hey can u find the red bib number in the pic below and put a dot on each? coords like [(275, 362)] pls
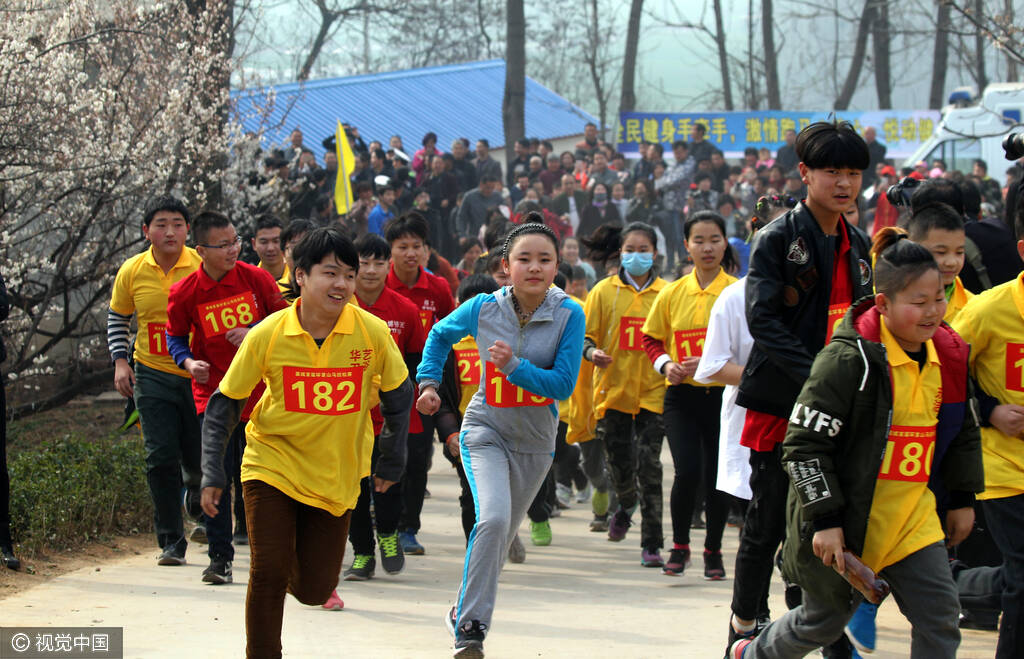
[(835, 317), (502, 393), (629, 333), (690, 343), (468, 363), (908, 454), (1015, 366), (330, 391), (219, 316), (157, 333)]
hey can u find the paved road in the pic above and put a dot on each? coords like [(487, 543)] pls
[(580, 597)]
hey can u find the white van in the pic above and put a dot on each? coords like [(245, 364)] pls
[(971, 129)]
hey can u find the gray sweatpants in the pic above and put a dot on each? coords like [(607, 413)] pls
[(504, 483), (924, 590)]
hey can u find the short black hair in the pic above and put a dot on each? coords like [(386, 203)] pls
[(523, 141), (547, 145), (700, 127), (267, 221), (206, 220), (938, 190), (700, 176), (643, 228), (832, 144), (466, 243), (474, 285), (372, 246), (296, 228), (933, 216), (363, 186), (981, 163), (972, 198), (489, 178), (165, 202), (750, 151), (484, 141), (429, 136), (680, 144), (407, 224), (319, 244)]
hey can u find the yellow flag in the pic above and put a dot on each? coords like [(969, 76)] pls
[(346, 165)]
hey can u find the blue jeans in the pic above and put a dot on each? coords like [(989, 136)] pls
[(219, 528), (670, 227)]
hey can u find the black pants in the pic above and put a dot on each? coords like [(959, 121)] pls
[(387, 508), (414, 483), (567, 460), (1005, 520), (692, 420), (544, 502), (763, 532), (5, 479)]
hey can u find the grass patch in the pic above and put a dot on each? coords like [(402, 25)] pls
[(69, 491)]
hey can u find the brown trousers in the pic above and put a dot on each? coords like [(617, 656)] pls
[(294, 548)]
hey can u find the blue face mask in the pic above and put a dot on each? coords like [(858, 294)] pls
[(637, 263)]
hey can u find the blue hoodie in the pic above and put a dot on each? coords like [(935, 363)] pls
[(545, 362)]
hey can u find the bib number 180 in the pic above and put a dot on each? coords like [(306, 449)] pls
[(330, 391)]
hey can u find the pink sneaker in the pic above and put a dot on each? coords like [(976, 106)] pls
[(334, 602)]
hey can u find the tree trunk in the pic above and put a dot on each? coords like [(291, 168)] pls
[(771, 62), (1011, 62), (628, 101), (366, 42), (753, 101), (857, 59), (327, 18), (941, 56), (880, 41), (723, 56), (979, 48), (513, 106)]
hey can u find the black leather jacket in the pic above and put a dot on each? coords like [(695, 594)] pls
[(787, 299)]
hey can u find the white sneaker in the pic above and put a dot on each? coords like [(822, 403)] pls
[(584, 495), (563, 494)]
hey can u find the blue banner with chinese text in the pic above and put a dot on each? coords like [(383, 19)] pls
[(902, 131)]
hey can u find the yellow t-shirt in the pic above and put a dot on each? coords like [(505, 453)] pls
[(957, 301), (902, 518), (680, 314), (615, 312), (564, 406), (141, 287), (993, 323), (310, 434), (467, 369), (284, 284)]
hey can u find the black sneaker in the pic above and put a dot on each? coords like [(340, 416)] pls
[(241, 535), (469, 641), (218, 572), (714, 569), (7, 557), (172, 555), (198, 535), (191, 503), (363, 567), (678, 561), (392, 558)]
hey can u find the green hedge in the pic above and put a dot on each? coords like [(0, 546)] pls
[(73, 490)]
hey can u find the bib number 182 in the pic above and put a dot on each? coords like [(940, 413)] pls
[(330, 391)]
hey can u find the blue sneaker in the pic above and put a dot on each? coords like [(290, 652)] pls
[(861, 628), (409, 544)]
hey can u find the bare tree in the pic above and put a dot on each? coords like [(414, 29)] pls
[(513, 106), (628, 99), (723, 56), (880, 38), (716, 36), (941, 54), (771, 61), (602, 65), (867, 16)]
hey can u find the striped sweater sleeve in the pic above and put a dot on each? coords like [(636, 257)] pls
[(117, 334)]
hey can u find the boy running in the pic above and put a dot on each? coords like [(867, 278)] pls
[(162, 391)]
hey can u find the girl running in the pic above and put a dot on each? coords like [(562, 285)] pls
[(530, 337), (628, 395), (679, 318)]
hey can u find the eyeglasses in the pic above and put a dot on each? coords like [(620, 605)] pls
[(234, 243)]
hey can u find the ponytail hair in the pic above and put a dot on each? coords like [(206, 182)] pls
[(604, 243), (898, 261)]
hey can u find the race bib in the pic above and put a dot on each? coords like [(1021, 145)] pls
[(629, 333), (219, 316), (908, 454), (1015, 366), (468, 364), (690, 343), (157, 333), (502, 393), (835, 317), (330, 391)]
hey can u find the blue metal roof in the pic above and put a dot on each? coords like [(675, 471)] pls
[(460, 100)]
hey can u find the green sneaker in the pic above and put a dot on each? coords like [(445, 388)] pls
[(540, 533), (392, 558), (363, 566), (599, 503)]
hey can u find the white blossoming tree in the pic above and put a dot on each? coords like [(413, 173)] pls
[(103, 103)]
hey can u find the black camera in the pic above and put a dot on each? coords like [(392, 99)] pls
[(899, 194), (1013, 145)]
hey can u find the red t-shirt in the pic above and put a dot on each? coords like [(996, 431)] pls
[(403, 319), (207, 309), (431, 295)]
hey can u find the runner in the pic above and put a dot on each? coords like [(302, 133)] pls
[(679, 317), (215, 306), (162, 391), (266, 242), (628, 396), (508, 433), (309, 437)]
